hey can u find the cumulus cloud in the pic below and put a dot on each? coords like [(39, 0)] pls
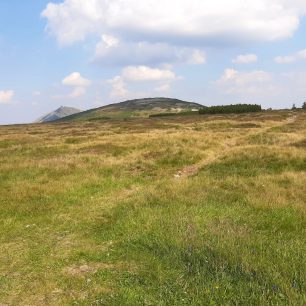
[(288, 59), (196, 21), (78, 83), (107, 42), (111, 50), (75, 79), (245, 59), (197, 58), (160, 78), (119, 87), (235, 82), (6, 96), (144, 73)]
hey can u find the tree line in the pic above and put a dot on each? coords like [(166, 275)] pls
[(231, 109), (294, 107)]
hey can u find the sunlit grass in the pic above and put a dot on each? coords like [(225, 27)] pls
[(103, 212)]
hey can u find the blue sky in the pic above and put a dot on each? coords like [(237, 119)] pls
[(90, 53)]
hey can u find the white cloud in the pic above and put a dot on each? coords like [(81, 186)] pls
[(140, 74), (109, 41), (144, 73), (270, 89), (78, 83), (77, 92), (197, 58), (179, 21), (75, 79), (291, 58), (235, 82), (245, 59), (6, 96), (111, 50), (119, 87), (229, 74)]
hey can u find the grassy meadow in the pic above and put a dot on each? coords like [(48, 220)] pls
[(190, 210)]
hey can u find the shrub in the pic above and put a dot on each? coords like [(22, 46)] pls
[(228, 109)]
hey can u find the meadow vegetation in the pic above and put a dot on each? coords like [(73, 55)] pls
[(184, 210)]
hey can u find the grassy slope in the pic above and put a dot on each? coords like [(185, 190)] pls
[(172, 211), (133, 108)]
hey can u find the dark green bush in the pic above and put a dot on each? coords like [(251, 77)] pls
[(231, 109)]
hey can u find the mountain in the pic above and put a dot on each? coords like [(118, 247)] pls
[(135, 108), (60, 113)]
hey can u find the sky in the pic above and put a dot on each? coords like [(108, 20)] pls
[(87, 54)]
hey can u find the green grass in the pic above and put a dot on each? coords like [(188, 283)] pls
[(250, 163), (191, 210)]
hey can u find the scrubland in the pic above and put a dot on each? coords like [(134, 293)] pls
[(191, 210)]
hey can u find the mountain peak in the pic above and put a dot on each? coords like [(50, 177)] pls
[(59, 113)]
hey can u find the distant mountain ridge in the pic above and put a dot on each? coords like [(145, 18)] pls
[(151, 103), (59, 113), (137, 107)]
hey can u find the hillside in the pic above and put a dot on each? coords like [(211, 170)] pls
[(59, 113), (135, 108)]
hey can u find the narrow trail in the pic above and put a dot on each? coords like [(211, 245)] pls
[(212, 157), (227, 146), (292, 119)]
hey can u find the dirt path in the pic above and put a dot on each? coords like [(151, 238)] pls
[(228, 145)]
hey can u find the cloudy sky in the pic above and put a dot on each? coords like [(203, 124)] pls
[(88, 53)]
